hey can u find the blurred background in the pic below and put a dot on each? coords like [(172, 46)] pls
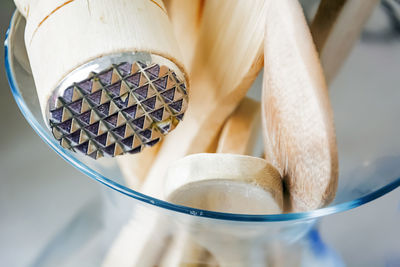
[(35, 204)]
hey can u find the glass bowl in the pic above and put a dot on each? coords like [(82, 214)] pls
[(368, 130)]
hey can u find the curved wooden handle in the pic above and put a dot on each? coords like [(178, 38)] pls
[(298, 121)]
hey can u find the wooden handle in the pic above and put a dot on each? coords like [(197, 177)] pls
[(241, 130), (186, 18), (336, 28), (228, 58), (214, 93), (135, 167), (109, 74), (297, 116)]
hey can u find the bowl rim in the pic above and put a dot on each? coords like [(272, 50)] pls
[(45, 136)]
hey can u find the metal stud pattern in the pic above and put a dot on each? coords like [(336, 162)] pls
[(119, 110)]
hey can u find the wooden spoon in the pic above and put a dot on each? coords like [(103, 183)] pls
[(297, 116)]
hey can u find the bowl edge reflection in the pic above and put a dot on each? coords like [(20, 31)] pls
[(163, 204)]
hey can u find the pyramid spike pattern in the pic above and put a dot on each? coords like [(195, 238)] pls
[(120, 110)]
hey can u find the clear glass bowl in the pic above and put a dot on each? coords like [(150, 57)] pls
[(368, 131)]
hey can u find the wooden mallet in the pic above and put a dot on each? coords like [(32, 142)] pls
[(109, 75)]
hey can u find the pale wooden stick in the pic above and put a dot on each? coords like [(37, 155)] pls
[(241, 130), (184, 251), (135, 167), (336, 28), (104, 71), (237, 137), (186, 17), (231, 38), (298, 121), (228, 59)]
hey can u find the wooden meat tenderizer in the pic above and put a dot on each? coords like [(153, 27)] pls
[(336, 28), (109, 75), (297, 116), (238, 136)]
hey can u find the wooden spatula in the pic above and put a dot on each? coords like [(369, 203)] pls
[(297, 116), (336, 28)]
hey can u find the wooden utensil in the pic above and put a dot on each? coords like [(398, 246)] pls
[(297, 116), (228, 59), (135, 167), (336, 28), (237, 137), (242, 129), (226, 183), (105, 72), (186, 18), (230, 38)]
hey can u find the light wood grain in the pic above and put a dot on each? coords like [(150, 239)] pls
[(241, 130), (225, 183), (336, 28), (135, 167), (298, 122), (185, 252), (237, 137), (186, 18), (228, 59), (66, 34)]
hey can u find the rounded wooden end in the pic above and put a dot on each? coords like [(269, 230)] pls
[(225, 183)]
